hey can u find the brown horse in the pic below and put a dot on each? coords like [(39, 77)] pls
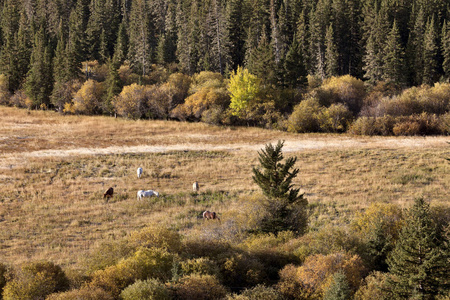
[(109, 193), (210, 215)]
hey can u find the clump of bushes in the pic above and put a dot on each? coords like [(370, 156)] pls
[(151, 289), (259, 292), (145, 263), (196, 286), (35, 281), (85, 293)]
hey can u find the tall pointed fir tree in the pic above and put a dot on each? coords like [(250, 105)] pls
[(331, 54), (294, 70), (12, 48), (94, 29), (302, 37), (167, 41), (113, 86), (140, 32), (236, 31), (262, 62), (419, 262), (393, 58), (39, 82), (220, 38), (188, 24), (319, 20), (121, 46), (376, 29), (445, 44), (285, 206), (414, 48), (431, 72)]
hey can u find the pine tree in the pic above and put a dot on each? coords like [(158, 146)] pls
[(121, 46), (285, 205), (39, 82), (14, 53), (446, 48), (113, 86), (262, 62), (430, 54), (419, 262), (414, 49), (235, 28), (393, 59), (294, 69), (331, 54)]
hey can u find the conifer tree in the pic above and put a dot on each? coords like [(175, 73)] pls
[(120, 48), (294, 69), (262, 62), (446, 48), (235, 28), (430, 54), (113, 86), (415, 50), (393, 59), (285, 206), (419, 261), (39, 81), (331, 54)]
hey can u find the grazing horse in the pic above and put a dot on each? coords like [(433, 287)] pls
[(210, 215), (108, 194), (139, 172), (141, 194), (195, 187)]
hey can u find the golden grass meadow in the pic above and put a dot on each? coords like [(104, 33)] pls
[(54, 170)]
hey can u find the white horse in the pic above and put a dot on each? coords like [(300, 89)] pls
[(139, 172), (195, 187), (141, 194)]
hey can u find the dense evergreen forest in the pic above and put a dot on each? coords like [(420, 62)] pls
[(358, 64)]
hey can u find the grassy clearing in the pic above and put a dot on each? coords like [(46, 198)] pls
[(51, 206)]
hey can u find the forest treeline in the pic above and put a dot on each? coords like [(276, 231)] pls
[(298, 65)]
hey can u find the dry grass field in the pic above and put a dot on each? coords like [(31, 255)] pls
[(54, 170)]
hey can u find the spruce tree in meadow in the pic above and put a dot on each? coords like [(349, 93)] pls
[(285, 206), (419, 262)]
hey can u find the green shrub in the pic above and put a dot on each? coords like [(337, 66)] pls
[(259, 292), (406, 128), (150, 289), (289, 286), (374, 287), (201, 266), (84, 293), (345, 89), (444, 123), (304, 118), (241, 269), (107, 254), (157, 236), (35, 281), (363, 126), (335, 118), (199, 287), (3, 272), (145, 263)]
